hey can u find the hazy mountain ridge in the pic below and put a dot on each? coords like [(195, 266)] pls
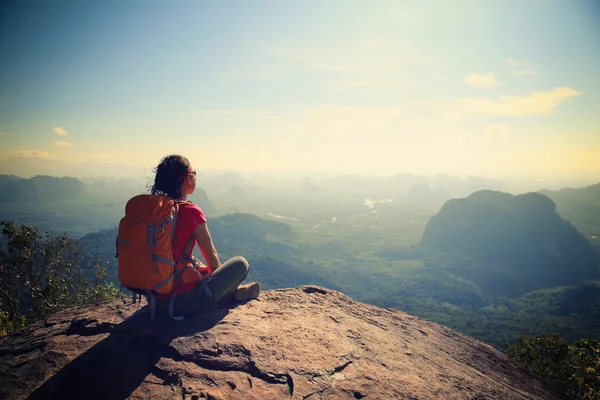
[(219, 184), (32, 166), (439, 187), (75, 206), (580, 206), (423, 192), (588, 192), (522, 232), (40, 187), (488, 300), (335, 242)]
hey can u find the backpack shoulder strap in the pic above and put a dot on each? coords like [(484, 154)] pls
[(187, 250), (174, 215)]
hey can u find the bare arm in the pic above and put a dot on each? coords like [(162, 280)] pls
[(207, 247)]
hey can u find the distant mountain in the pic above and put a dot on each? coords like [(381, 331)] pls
[(523, 233), (31, 166), (201, 199), (591, 192), (349, 184), (220, 184), (6, 179), (122, 189), (236, 192), (357, 186), (50, 187), (476, 183), (18, 191), (403, 182), (422, 192), (103, 186), (15, 189), (399, 184), (309, 187), (581, 206), (457, 187), (252, 189)]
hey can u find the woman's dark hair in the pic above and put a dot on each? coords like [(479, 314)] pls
[(170, 173)]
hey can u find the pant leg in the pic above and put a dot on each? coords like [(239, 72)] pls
[(224, 281), (186, 303)]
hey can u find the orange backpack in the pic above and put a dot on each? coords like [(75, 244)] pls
[(144, 248)]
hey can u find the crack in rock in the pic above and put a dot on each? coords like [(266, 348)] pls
[(313, 289), (317, 392), (341, 367), (214, 363), (170, 378), (24, 348), (336, 370)]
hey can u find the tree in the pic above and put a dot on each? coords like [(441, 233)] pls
[(584, 371), (41, 274), (573, 369)]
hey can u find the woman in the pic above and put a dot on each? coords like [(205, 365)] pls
[(176, 178)]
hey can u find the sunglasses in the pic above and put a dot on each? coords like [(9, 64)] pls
[(192, 172)]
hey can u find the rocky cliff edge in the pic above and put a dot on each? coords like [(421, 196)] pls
[(304, 343)]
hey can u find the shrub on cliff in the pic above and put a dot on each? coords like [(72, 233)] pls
[(41, 274), (574, 369)]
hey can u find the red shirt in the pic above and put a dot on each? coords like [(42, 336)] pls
[(189, 217)]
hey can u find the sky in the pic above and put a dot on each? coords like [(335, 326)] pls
[(482, 87)]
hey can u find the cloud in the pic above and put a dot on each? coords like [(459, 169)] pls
[(537, 103), (484, 81), (59, 131), (527, 72), (525, 68), (496, 131), (32, 154), (62, 144)]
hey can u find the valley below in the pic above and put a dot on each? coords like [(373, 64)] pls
[(370, 247)]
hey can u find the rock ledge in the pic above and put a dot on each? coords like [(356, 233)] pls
[(304, 343)]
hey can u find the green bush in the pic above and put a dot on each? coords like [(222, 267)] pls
[(573, 369), (41, 274)]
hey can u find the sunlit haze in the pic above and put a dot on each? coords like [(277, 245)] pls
[(484, 88)]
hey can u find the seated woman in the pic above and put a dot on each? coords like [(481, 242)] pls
[(176, 178)]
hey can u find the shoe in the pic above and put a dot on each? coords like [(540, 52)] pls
[(247, 291)]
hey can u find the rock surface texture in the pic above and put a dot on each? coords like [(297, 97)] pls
[(304, 343)]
